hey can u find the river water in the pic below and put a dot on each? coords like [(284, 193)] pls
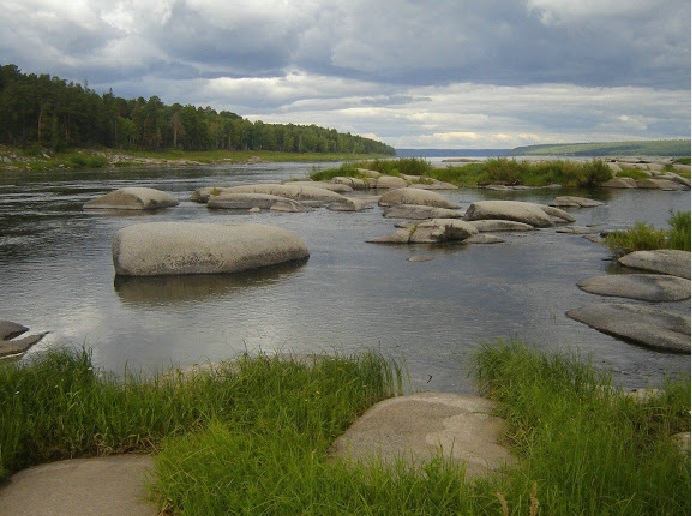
[(56, 274)]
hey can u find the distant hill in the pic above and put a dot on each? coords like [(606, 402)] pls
[(425, 153), (640, 148)]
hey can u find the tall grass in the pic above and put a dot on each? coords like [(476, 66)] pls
[(644, 237)]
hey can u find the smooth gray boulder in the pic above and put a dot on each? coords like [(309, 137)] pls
[(526, 212), (664, 261), (494, 226), (419, 212), (647, 287), (416, 196), (202, 195), (350, 204), (556, 214), (419, 427), (132, 198), (11, 342), (660, 184), (434, 185), (434, 231), (168, 248), (384, 182), (332, 187), (567, 201), (243, 201), (657, 329), (620, 182), (306, 194)]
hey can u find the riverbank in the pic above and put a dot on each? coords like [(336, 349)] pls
[(265, 426), (36, 158)]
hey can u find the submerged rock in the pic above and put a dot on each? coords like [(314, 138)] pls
[(416, 196), (133, 198), (494, 226), (162, 248), (665, 261), (647, 287), (657, 329), (574, 202), (434, 231)]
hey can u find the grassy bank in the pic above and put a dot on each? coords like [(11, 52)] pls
[(645, 237), (493, 171), (39, 159), (252, 437)]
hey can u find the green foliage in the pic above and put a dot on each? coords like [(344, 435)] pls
[(686, 160), (644, 237), (591, 449), (633, 173), (679, 147), (43, 111)]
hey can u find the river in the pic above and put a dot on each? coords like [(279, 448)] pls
[(56, 274)]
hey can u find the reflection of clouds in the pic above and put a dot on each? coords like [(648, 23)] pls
[(170, 290)]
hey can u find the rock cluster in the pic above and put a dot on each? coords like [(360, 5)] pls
[(10, 344)]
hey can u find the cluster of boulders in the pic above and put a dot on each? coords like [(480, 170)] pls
[(660, 176), (666, 278)]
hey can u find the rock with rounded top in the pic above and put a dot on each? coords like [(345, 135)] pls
[(419, 427), (568, 201), (647, 287), (133, 198), (416, 196), (243, 201), (332, 187), (305, 194), (434, 185), (170, 248), (494, 226), (659, 184), (384, 182), (434, 231), (355, 183), (664, 261), (350, 204), (526, 212), (650, 327), (620, 182), (556, 214), (419, 212), (289, 206)]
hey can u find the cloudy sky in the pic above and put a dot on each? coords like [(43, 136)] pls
[(411, 73)]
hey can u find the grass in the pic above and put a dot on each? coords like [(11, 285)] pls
[(645, 237), (494, 171), (252, 437), (632, 173)]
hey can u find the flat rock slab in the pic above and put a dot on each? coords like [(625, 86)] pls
[(494, 226), (567, 201), (664, 261), (416, 196), (647, 287), (419, 212), (657, 329), (133, 198), (103, 486), (9, 330), (529, 213), (421, 426), (170, 248)]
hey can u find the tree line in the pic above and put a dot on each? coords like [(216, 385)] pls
[(54, 113)]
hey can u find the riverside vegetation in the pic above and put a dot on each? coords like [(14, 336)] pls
[(644, 237), (252, 436)]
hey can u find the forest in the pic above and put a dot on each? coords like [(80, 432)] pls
[(53, 113)]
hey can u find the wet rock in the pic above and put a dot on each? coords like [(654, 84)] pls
[(419, 259), (434, 185), (664, 261), (574, 202), (659, 184), (133, 198), (494, 226), (350, 204), (243, 201), (435, 231), (384, 182), (647, 287), (420, 212), (354, 183), (10, 341), (418, 427), (484, 238), (202, 195), (289, 206), (163, 248), (332, 187), (304, 194), (620, 182), (650, 327), (557, 215), (526, 212), (416, 196)]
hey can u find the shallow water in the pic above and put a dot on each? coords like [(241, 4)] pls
[(56, 274)]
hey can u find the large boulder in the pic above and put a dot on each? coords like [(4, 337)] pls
[(529, 213), (419, 212), (163, 248), (384, 182), (568, 201), (647, 287), (665, 261), (658, 329), (416, 196), (243, 201), (306, 194), (620, 182), (434, 231), (132, 198)]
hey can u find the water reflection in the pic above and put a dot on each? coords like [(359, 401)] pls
[(194, 288)]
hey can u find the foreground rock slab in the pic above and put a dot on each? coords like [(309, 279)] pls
[(419, 427), (11, 342), (665, 261), (647, 287), (104, 486), (167, 248), (133, 198), (657, 329)]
